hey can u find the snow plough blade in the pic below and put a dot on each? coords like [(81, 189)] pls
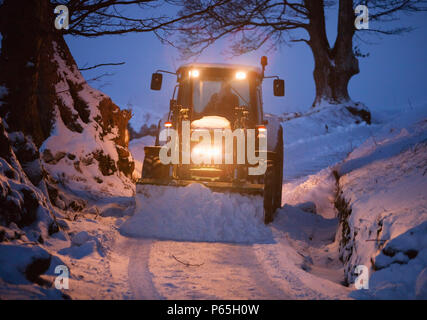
[(219, 186)]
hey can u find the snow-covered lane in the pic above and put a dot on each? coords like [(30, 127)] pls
[(301, 263), (200, 270), (298, 259)]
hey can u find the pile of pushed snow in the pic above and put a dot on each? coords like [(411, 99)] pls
[(195, 213), (317, 190)]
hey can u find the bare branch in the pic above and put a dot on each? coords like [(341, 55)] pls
[(102, 65), (99, 77), (194, 25), (186, 263)]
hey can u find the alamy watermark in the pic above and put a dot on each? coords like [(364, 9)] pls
[(206, 152), (62, 18), (61, 281), (362, 18), (362, 280)]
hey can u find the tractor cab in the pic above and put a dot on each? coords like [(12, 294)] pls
[(230, 91), (220, 90)]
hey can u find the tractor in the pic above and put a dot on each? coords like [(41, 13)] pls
[(207, 98)]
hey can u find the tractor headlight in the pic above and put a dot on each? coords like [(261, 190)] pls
[(202, 151), (240, 75), (194, 73)]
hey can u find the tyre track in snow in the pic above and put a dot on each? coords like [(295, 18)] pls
[(139, 276), (221, 271), (218, 271), (266, 288)]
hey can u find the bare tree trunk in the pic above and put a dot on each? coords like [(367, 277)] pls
[(26, 36), (333, 68), (44, 88), (346, 62)]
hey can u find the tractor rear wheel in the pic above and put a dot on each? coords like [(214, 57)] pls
[(269, 187), (277, 200)]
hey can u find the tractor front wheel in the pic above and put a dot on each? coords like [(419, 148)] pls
[(152, 166)]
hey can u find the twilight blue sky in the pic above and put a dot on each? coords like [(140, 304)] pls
[(394, 75)]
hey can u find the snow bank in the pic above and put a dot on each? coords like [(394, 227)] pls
[(320, 138), (388, 223), (385, 182), (195, 213), (16, 271), (14, 260), (86, 158), (317, 189), (74, 164), (399, 134)]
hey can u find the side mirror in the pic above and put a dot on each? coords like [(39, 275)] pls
[(156, 81), (172, 104), (279, 87)]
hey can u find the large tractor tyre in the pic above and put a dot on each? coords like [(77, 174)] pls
[(273, 180), (269, 191), (152, 167), (278, 163)]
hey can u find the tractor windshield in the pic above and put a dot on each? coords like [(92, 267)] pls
[(219, 97)]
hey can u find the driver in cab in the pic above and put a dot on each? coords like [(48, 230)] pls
[(223, 102)]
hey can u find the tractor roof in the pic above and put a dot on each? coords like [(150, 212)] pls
[(222, 66)]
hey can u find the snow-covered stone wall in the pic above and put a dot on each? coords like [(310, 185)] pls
[(385, 218)]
